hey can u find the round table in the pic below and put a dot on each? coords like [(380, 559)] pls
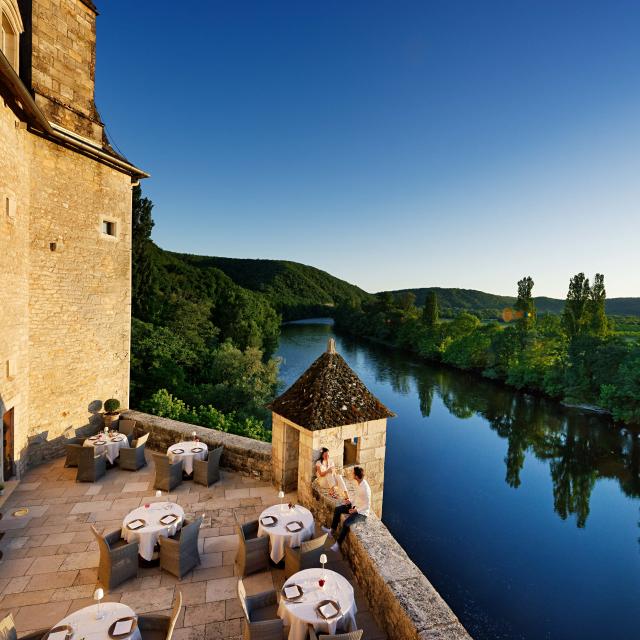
[(298, 615), (279, 535), (84, 623), (148, 535), (185, 452), (110, 444)]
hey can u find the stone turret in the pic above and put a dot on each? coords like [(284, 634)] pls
[(328, 406)]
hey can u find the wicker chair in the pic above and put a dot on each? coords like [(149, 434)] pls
[(306, 556), (91, 466), (178, 555), (207, 472), (133, 458), (8, 631), (168, 474), (157, 627), (350, 635), (261, 620), (128, 428), (118, 559), (253, 551), (72, 446)]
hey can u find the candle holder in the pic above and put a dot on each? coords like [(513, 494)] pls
[(323, 561), (281, 496), (98, 594), (158, 494)]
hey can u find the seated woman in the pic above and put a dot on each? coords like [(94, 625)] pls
[(326, 473)]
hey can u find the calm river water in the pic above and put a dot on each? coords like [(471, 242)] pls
[(523, 515)]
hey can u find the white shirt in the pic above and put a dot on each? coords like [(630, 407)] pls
[(327, 480), (362, 502)]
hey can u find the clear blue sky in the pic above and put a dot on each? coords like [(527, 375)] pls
[(393, 144)]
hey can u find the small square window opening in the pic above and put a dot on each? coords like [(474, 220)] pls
[(109, 228)]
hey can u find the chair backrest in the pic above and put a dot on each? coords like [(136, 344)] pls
[(102, 543), (177, 605), (214, 456), (313, 545), (189, 532), (351, 635), (242, 596), (86, 456), (8, 629), (161, 461), (126, 426), (142, 440)]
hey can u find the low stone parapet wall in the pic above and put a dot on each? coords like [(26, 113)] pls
[(402, 600), (244, 455)]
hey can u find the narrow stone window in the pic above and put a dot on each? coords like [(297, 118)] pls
[(350, 452), (10, 28), (9, 207), (109, 228)]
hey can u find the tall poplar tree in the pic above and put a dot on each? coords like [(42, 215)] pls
[(142, 266), (525, 305), (575, 317), (430, 311), (598, 324)]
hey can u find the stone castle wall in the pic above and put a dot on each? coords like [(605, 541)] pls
[(66, 286), (63, 64)]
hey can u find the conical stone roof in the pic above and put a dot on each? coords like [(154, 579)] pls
[(329, 394)]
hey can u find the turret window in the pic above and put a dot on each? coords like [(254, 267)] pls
[(10, 30)]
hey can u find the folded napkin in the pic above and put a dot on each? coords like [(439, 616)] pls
[(329, 610), (177, 450), (292, 591), (295, 526), (197, 449), (58, 635), (135, 524), (268, 521), (169, 518), (122, 627)]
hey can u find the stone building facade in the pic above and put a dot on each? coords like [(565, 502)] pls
[(328, 406), (65, 234)]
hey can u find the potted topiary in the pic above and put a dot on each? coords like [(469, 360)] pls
[(111, 407)]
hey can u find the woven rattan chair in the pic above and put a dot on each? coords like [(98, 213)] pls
[(128, 428), (261, 620), (133, 458), (118, 559), (350, 635), (179, 554), (168, 474), (91, 466), (157, 627), (8, 629), (207, 472), (72, 446), (253, 551), (306, 556)]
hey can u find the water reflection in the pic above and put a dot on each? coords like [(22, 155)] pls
[(580, 448)]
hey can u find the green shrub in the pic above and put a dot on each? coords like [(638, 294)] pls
[(111, 405)]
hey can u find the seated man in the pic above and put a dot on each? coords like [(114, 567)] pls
[(358, 510)]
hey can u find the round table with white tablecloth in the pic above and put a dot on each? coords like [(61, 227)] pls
[(187, 451), (155, 523), (298, 615), (85, 625), (110, 444), (280, 534)]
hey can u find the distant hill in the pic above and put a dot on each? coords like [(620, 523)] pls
[(295, 290), (487, 303)]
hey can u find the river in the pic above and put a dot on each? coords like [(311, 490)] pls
[(522, 513)]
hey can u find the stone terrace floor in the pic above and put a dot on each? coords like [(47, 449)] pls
[(50, 558)]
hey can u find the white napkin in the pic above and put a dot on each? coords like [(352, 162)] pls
[(268, 520), (291, 592), (122, 626), (293, 527), (58, 635), (136, 524), (169, 519), (328, 610)]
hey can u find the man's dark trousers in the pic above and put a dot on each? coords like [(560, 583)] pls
[(354, 517)]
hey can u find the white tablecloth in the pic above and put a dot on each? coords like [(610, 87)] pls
[(187, 454), (301, 614), (111, 445), (278, 534), (86, 626), (148, 535)]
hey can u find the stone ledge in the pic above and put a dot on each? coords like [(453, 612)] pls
[(244, 455)]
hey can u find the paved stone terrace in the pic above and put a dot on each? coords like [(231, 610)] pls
[(49, 566)]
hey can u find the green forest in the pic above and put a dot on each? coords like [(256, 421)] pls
[(579, 356)]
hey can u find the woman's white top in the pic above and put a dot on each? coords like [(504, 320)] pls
[(279, 536), (147, 535), (187, 451), (328, 480), (298, 615), (84, 623)]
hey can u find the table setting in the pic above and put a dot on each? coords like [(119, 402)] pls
[(187, 451), (286, 525), (98, 622), (318, 597), (151, 521), (108, 442)]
